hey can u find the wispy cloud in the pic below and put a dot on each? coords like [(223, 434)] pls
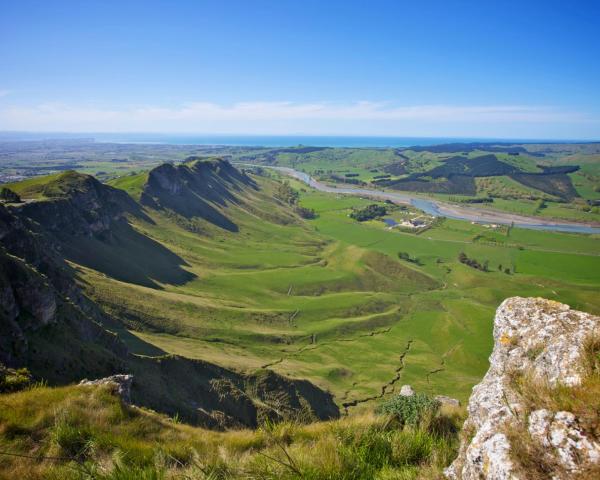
[(4, 93), (274, 117)]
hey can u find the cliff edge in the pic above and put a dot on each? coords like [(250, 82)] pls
[(535, 413)]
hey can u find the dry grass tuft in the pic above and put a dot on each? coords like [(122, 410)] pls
[(90, 434)]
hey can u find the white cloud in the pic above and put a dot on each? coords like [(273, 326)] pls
[(369, 118)]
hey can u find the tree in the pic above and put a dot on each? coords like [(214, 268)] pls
[(369, 212), (8, 195), (286, 193)]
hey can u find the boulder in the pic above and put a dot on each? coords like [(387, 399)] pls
[(544, 340), (407, 391), (121, 384)]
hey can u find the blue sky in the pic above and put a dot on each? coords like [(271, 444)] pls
[(467, 69)]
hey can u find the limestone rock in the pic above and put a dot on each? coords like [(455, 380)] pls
[(562, 432), (407, 391), (542, 338), (121, 383)]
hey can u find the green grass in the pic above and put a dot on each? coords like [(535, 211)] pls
[(324, 299), (90, 434), (506, 187), (132, 184), (33, 187), (327, 299)]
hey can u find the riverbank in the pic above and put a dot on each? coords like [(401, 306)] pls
[(437, 208)]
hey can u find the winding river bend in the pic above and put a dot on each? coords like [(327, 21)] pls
[(437, 208)]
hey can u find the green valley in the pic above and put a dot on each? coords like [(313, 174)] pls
[(256, 284)]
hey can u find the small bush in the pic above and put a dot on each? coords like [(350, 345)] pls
[(12, 380), (8, 195), (413, 410), (307, 213)]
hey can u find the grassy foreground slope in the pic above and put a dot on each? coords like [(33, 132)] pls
[(81, 433)]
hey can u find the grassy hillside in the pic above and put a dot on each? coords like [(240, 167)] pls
[(212, 264), (322, 299), (326, 299)]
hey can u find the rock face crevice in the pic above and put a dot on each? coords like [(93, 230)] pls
[(544, 340)]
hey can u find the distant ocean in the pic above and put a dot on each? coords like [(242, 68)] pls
[(256, 140)]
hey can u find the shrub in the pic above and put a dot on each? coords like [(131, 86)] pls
[(307, 213), (12, 380), (411, 410), (407, 258), (8, 195)]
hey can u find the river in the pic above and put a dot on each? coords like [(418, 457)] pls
[(442, 209)]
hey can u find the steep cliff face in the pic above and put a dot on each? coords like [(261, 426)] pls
[(535, 413), (196, 188), (78, 204)]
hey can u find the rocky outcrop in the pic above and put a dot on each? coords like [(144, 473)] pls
[(443, 400), (121, 385), (78, 204), (544, 341), (198, 188)]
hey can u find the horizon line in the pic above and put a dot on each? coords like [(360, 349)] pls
[(471, 139)]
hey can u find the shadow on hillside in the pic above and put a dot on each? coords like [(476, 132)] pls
[(128, 256), (197, 191), (191, 205)]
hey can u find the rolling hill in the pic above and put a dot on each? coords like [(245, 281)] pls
[(50, 326), (207, 262)]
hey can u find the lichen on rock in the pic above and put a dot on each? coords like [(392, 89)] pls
[(543, 340)]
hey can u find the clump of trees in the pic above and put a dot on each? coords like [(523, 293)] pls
[(471, 262), (304, 212), (7, 195), (477, 200), (287, 194), (369, 212), (407, 258)]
